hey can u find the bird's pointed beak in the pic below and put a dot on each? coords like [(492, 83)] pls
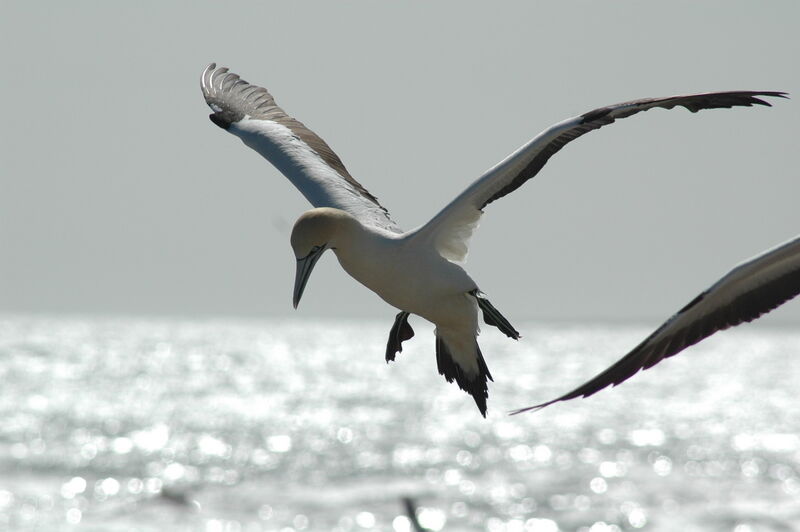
[(304, 268)]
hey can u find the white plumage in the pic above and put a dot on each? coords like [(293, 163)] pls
[(420, 272)]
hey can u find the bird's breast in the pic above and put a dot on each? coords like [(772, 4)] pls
[(415, 281)]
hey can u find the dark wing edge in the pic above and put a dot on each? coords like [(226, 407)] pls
[(608, 115), (712, 316), (475, 385), (232, 98)]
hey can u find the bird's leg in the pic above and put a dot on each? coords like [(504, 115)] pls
[(493, 317), (400, 332)]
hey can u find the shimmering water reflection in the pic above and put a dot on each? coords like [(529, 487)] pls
[(292, 426)]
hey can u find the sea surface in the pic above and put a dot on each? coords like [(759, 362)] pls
[(229, 426)]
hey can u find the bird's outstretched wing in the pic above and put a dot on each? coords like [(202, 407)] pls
[(250, 113), (451, 229), (751, 289)]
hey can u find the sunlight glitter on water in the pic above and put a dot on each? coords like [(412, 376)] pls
[(289, 425)]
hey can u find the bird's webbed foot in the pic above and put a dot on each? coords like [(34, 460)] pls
[(401, 331), (492, 316)]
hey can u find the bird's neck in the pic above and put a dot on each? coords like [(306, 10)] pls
[(362, 250), (350, 237)]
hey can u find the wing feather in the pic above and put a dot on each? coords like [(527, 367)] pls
[(452, 228), (750, 290), (250, 112)]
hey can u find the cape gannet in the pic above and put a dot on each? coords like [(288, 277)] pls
[(420, 271)]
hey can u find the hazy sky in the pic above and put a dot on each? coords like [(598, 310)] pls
[(118, 195)]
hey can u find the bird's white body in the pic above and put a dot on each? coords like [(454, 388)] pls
[(404, 269), (420, 272), (408, 273), (405, 274)]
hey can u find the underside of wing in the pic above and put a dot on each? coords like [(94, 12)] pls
[(452, 227), (250, 112), (750, 290)]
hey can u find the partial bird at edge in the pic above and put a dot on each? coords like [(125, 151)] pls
[(748, 291)]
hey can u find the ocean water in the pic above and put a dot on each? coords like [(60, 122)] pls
[(213, 425)]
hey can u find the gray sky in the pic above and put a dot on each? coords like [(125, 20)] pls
[(118, 195)]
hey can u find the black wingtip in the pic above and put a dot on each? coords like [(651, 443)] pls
[(534, 408), (774, 94), (220, 120)]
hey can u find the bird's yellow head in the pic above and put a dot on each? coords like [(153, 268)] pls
[(313, 233)]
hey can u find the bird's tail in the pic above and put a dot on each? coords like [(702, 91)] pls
[(472, 382)]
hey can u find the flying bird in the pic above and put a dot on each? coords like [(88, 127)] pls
[(421, 271)]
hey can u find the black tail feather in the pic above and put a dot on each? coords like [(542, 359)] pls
[(476, 385), (492, 316), (401, 331)]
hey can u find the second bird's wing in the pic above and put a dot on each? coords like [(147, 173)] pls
[(751, 289)]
